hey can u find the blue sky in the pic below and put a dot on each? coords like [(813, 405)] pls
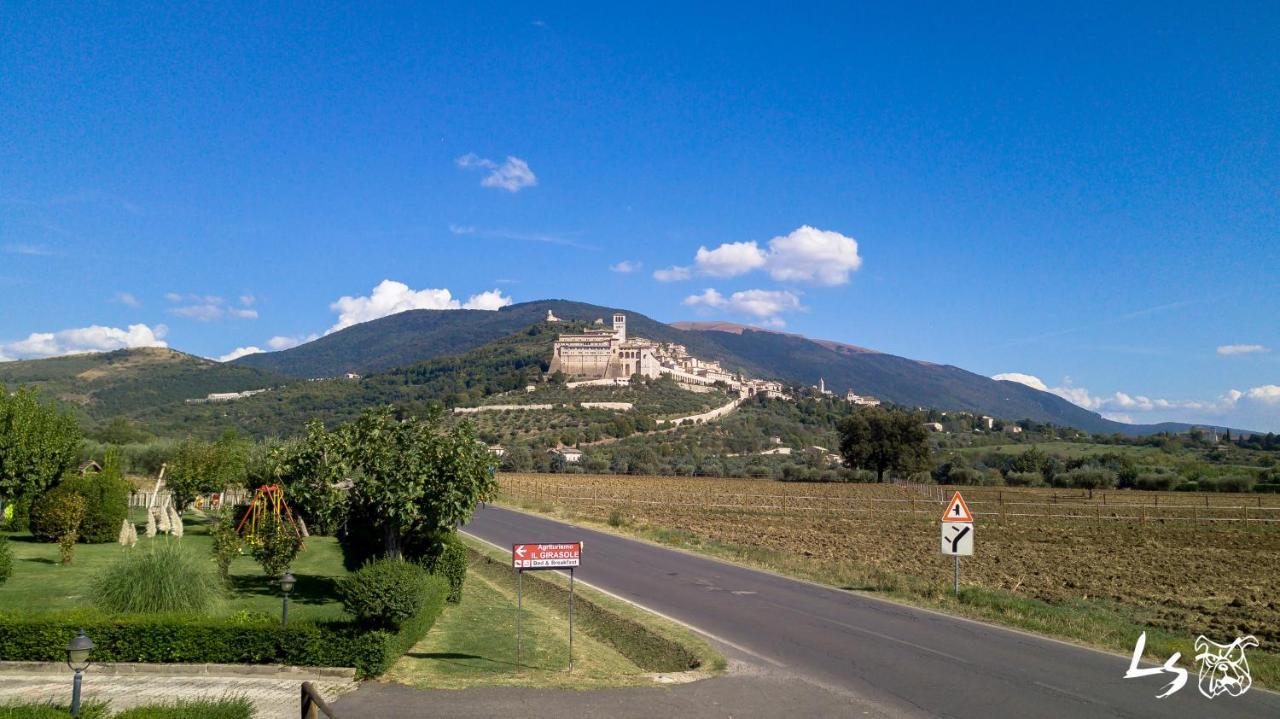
[(1086, 196)]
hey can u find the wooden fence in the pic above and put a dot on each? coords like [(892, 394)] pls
[(163, 497)]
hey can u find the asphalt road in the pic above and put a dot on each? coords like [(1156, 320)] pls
[(908, 661)]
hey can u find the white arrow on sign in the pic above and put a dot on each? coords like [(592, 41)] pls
[(520, 550)]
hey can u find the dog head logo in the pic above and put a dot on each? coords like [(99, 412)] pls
[(1223, 668)]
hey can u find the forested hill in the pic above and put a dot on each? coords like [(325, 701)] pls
[(418, 335), (125, 382)]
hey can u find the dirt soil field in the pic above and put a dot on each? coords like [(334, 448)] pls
[(1173, 560)]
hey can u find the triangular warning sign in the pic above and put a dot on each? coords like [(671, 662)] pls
[(957, 510)]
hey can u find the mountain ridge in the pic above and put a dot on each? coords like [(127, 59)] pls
[(417, 335)]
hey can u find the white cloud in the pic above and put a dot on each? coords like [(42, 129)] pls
[(31, 250), (281, 342), (127, 298), (626, 267), (491, 300), (812, 255), (1267, 394), (807, 254), (1252, 407), (1027, 379), (207, 308), (730, 259), (391, 297), (1228, 350), (673, 274), (94, 338), (239, 352), (765, 305), (512, 175)]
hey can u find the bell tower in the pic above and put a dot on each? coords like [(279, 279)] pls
[(620, 327)]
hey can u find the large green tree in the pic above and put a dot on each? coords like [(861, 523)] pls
[(312, 470), (199, 467), (415, 477), (38, 444), (884, 440)]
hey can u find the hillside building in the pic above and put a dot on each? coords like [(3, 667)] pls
[(852, 398), (601, 355)]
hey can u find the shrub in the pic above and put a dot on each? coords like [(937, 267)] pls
[(449, 563), (1235, 483), (106, 498), (57, 515), (6, 560), (1024, 479), (1187, 487), (386, 593), (964, 476), (275, 545), (226, 542), (1156, 481), (161, 578)]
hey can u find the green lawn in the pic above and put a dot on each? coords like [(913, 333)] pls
[(40, 582), (474, 644)]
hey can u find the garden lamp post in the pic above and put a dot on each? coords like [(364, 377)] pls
[(286, 585), (78, 650)]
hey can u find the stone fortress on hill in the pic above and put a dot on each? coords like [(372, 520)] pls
[(603, 355)]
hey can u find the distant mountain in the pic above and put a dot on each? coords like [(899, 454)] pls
[(419, 335), (107, 384)]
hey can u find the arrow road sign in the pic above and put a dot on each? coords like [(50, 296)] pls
[(957, 538), (546, 556)]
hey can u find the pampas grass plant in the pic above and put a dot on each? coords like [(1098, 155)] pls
[(175, 523), (163, 577), (162, 519), (151, 522)]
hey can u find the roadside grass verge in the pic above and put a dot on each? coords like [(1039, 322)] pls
[(654, 643), (1099, 624), (474, 644)]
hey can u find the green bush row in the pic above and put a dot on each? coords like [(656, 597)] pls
[(239, 639), (450, 564), (630, 638), (230, 708)]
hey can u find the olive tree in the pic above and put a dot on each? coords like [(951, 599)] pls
[(884, 440), (415, 478)]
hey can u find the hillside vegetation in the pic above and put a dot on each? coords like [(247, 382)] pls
[(417, 335), (131, 382)]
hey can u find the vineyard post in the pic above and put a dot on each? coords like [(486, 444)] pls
[(784, 500)]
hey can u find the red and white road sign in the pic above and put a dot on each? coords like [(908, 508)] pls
[(546, 556), (957, 510)]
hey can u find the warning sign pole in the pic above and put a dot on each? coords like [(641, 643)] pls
[(570, 619), (519, 612), (957, 558)]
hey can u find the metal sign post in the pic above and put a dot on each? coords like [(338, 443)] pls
[(570, 619), (519, 612), (957, 534), (565, 555)]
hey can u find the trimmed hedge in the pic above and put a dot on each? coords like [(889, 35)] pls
[(451, 565), (106, 507), (238, 639), (6, 559), (387, 593), (630, 638)]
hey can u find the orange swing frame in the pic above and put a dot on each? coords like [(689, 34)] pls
[(267, 498)]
